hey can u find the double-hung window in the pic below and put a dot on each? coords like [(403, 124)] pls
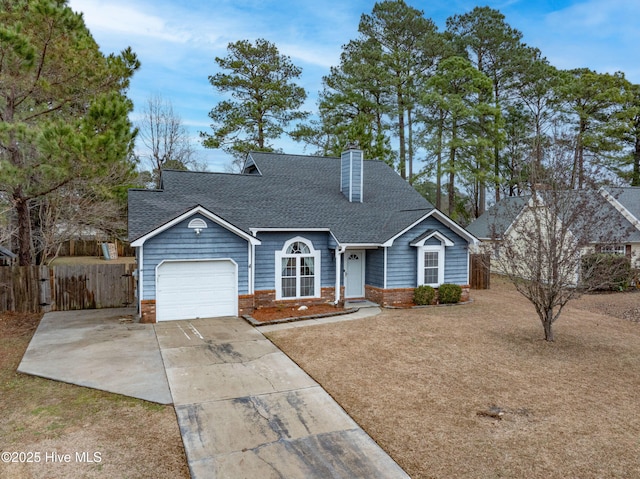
[(431, 257), (297, 270), (431, 265)]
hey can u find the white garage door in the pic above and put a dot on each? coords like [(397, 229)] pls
[(196, 289)]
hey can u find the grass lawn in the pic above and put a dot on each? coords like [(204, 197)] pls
[(475, 392), (132, 438)]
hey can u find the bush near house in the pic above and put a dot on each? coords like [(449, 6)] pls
[(449, 293), (603, 271), (445, 294), (424, 295)]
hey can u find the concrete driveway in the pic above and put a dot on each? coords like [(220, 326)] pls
[(99, 349), (245, 410)]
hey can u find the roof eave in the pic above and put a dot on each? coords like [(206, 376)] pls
[(195, 210), (459, 230)]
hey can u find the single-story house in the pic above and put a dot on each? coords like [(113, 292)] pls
[(610, 219), (288, 229)]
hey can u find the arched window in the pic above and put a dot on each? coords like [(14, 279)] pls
[(297, 270)]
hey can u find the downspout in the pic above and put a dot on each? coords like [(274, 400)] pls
[(338, 271), (250, 266), (385, 269), (140, 279), (338, 256)]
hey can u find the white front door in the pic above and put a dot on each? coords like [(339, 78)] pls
[(354, 274)]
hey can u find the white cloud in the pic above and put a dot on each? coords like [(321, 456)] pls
[(125, 19)]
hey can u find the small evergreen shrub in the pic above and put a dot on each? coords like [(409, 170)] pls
[(449, 293), (424, 295)]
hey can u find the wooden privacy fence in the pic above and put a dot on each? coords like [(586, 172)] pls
[(66, 287), (92, 248), (480, 271)]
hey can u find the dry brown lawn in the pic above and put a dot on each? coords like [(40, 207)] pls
[(134, 438), (427, 383)]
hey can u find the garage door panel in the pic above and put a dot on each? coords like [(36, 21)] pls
[(196, 289)]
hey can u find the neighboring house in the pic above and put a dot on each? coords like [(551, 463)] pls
[(616, 212), (288, 229), (7, 257)]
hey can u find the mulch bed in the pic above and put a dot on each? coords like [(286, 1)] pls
[(266, 315)]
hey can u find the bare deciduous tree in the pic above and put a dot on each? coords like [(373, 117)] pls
[(81, 210), (166, 139), (549, 233)]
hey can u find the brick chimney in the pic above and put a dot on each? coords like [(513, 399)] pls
[(351, 173)]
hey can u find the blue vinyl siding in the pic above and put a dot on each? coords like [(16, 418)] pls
[(351, 175), (181, 243), (374, 270), (402, 260), (265, 260)]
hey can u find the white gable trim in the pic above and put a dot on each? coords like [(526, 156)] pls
[(444, 219), (249, 161), (620, 208), (255, 231), (197, 210), (439, 236)]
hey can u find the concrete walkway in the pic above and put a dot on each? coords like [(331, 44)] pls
[(245, 410)]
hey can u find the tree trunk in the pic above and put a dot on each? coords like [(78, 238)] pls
[(410, 141), (402, 167), (439, 165), (452, 170), (635, 180), (24, 228), (547, 323)]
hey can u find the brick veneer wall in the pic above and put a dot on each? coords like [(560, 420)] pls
[(398, 296), (148, 311), (267, 298), (389, 297), (246, 304)]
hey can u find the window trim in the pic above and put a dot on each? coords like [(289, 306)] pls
[(317, 268), (617, 249), (430, 249)]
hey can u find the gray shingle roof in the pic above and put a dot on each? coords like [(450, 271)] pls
[(496, 220), (293, 191), (598, 210), (629, 197)]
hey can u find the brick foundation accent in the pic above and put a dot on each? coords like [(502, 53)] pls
[(394, 297), (246, 304), (148, 311), (465, 293), (389, 297), (267, 298)]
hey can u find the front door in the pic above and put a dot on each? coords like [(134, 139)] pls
[(354, 274)]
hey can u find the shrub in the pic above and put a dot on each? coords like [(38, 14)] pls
[(601, 271), (424, 295), (449, 293)]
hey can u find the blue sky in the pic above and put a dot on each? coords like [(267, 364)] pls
[(177, 41)]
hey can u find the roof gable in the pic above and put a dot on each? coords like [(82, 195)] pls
[(612, 220), (181, 217)]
